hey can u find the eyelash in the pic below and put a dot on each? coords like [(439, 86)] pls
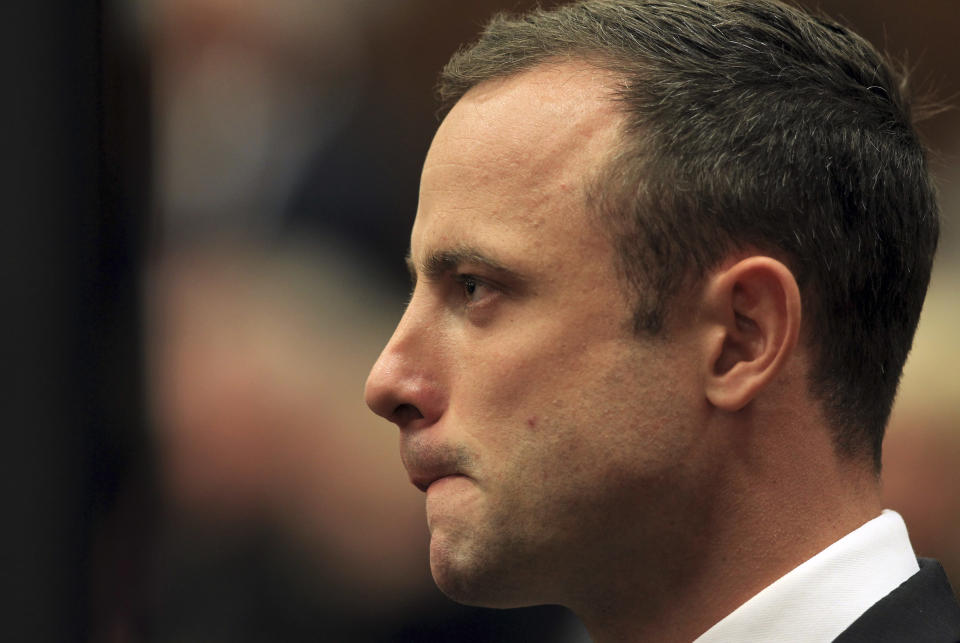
[(468, 281)]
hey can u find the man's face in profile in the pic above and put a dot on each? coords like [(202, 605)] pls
[(549, 438)]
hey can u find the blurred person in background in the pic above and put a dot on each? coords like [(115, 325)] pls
[(668, 261)]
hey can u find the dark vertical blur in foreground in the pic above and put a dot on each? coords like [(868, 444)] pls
[(76, 467), (207, 207)]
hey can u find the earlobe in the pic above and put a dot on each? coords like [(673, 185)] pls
[(753, 316)]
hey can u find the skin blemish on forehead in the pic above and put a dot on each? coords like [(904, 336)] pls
[(532, 421)]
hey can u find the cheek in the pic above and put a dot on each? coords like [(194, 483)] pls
[(576, 392), (518, 386), (613, 411)]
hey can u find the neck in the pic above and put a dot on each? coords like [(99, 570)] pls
[(761, 518)]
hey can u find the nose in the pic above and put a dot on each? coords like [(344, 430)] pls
[(404, 385)]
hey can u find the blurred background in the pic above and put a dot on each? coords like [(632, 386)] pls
[(209, 205)]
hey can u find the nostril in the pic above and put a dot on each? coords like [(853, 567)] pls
[(404, 414)]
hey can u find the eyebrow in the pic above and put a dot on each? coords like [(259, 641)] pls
[(443, 262)]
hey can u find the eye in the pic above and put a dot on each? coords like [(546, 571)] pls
[(474, 289)]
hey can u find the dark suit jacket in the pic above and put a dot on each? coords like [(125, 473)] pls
[(922, 609)]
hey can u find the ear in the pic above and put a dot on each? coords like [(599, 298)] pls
[(753, 314)]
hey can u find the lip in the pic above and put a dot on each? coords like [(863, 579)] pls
[(427, 462), (425, 470), (423, 482), (442, 479)]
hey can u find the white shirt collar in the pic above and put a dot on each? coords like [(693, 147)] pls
[(820, 598)]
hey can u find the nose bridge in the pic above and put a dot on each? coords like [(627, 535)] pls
[(407, 372), (410, 337)]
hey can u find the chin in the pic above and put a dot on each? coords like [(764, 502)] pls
[(455, 571), (471, 576)]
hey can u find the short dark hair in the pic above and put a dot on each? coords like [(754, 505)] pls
[(750, 123)]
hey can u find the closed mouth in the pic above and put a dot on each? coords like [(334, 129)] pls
[(423, 482), (427, 464)]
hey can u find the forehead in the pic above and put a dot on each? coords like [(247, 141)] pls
[(546, 116), (519, 152)]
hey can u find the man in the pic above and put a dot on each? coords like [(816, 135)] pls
[(669, 257)]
